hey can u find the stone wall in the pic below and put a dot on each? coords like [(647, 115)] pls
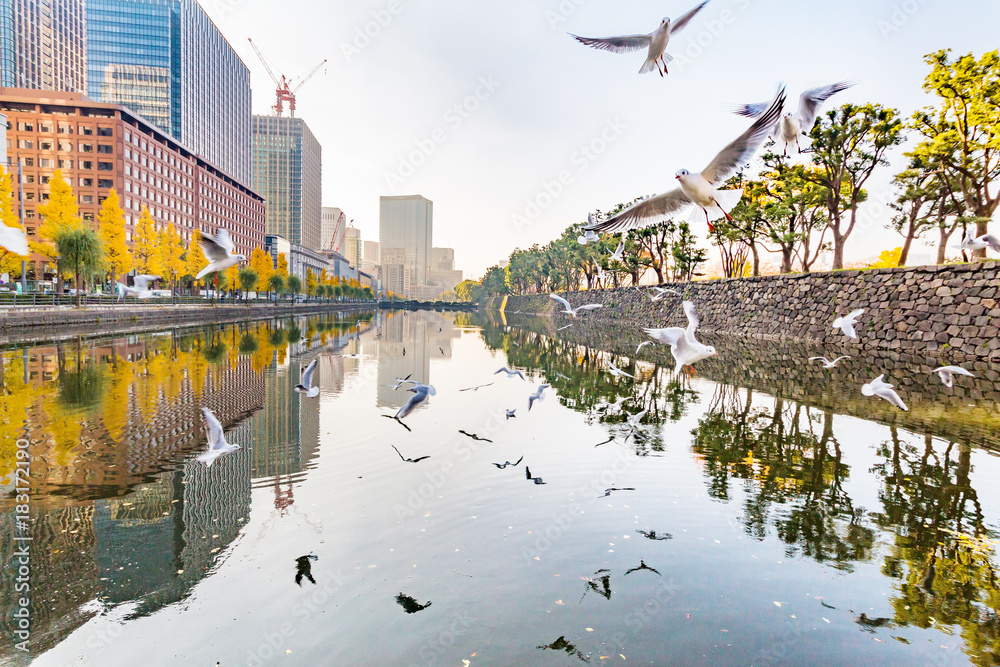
[(947, 311)]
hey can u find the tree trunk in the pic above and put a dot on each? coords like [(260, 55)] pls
[(786, 259), (905, 252), (838, 250), (756, 260)]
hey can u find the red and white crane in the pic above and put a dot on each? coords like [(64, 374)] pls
[(283, 90)]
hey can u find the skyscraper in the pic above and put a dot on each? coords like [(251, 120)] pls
[(407, 223), (169, 63), (43, 45), (353, 247), (334, 233), (288, 171)]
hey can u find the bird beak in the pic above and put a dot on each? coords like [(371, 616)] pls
[(677, 177)]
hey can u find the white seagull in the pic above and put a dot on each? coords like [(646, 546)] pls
[(588, 236), (617, 254), (305, 385), (683, 345), (13, 239), (827, 364), (600, 272), (948, 373), (614, 370), (569, 310), (420, 394), (884, 391), (399, 382), (847, 322), (511, 373), (537, 396), (634, 420), (790, 127), (644, 344), (655, 42), (698, 191), (662, 292), (510, 413), (220, 251), (217, 445), (980, 243)]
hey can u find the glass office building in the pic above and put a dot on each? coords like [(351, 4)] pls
[(43, 45), (288, 172), (168, 62)]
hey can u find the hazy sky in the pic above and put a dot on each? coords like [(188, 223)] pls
[(482, 106)]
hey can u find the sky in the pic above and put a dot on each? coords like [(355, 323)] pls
[(515, 130)]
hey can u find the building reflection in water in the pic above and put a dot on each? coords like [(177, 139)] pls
[(423, 335)]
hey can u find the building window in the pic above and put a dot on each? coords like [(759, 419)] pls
[(86, 164), (29, 213), (105, 183), (105, 132), (89, 217), (45, 127), (64, 128), (65, 164), (45, 180), (45, 145), (29, 196), (86, 199), (25, 127), (86, 131), (46, 162), (105, 148), (65, 146), (86, 148), (105, 166), (128, 170), (128, 136), (26, 143), (86, 182)]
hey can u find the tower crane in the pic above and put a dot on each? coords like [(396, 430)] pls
[(283, 90)]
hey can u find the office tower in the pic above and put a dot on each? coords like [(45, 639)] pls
[(288, 171), (406, 223), (352, 250), (334, 232), (168, 62), (43, 45)]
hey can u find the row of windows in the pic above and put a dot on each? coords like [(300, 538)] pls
[(45, 127)]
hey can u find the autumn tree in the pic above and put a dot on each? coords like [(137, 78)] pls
[(282, 265), (262, 263), (194, 259), (311, 282), (169, 255), (144, 244), (111, 220), (9, 262), (61, 213)]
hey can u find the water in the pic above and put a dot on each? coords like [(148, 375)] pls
[(745, 529)]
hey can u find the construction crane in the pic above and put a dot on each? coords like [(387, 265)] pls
[(283, 91)]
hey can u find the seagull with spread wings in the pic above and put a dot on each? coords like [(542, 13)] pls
[(698, 191), (570, 310), (847, 322), (220, 251), (827, 364), (305, 387), (787, 129), (948, 373), (683, 345), (655, 42), (217, 445), (884, 390), (511, 373), (980, 243)]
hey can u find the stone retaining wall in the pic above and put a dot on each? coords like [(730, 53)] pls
[(947, 310)]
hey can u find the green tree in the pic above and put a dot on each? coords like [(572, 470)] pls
[(248, 280), (276, 283), (849, 143), (82, 254), (111, 220), (688, 257), (495, 281), (294, 284), (469, 290)]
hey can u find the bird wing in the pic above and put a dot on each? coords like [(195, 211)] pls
[(823, 359), (681, 21), (992, 241), (218, 247), (14, 240), (810, 101), (561, 300), (307, 374), (621, 44), (751, 110), (647, 211), (744, 146), (855, 314), (503, 370), (840, 358), (590, 306), (142, 282), (213, 429), (519, 373), (668, 336)]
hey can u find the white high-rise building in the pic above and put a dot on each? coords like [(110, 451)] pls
[(407, 223), (352, 251), (333, 234)]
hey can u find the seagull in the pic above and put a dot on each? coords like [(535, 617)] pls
[(644, 344), (217, 445), (537, 396), (13, 239), (416, 460), (600, 271), (789, 127), (527, 474), (642, 566), (655, 42), (984, 241), (142, 281), (617, 372), (651, 534), (607, 492), (474, 436), (884, 391), (683, 345), (827, 364), (634, 420), (510, 414), (661, 291), (948, 373), (511, 373), (420, 394), (477, 387), (569, 310), (617, 254), (588, 236), (699, 190), (565, 327), (846, 323), (305, 385), (399, 382), (508, 463), (124, 291), (220, 251), (410, 604)]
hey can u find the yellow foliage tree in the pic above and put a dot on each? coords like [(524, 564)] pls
[(887, 259), (9, 262), (194, 258), (230, 278), (282, 265), (261, 262), (311, 282), (61, 213), (144, 244), (169, 256), (117, 259)]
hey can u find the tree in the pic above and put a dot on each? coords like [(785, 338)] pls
[(81, 252), (194, 258), (276, 283), (311, 282), (294, 284), (248, 280), (919, 190), (144, 244), (495, 281), (262, 263), (887, 259), (687, 256), (111, 220), (848, 144), (61, 213), (962, 134), (230, 278), (469, 290), (283, 265), (169, 254), (9, 262)]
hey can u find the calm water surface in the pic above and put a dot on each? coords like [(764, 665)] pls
[(731, 528)]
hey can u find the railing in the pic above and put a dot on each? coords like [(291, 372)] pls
[(31, 299)]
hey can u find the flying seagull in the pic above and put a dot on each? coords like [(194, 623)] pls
[(477, 387), (565, 327), (588, 236), (607, 492), (420, 394), (683, 345), (655, 42), (220, 251), (510, 414), (13, 239), (217, 445), (827, 364), (617, 254), (537, 396), (846, 323), (511, 373), (303, 568), (124, 291), (980, 243), (698, 191), (416, 460), (508, 463), (791, 126), (644, 344), (617, 372), (883, 390), (305, 385), (570, 310), (600, 271), (399, 382), (948, 373)]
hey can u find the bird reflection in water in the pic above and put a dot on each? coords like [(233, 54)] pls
[(474, 436), (607, 492), (651, 535), (303, 568), (508, 463), (536, 480), (416, 460), (870, 624), (409, 604), (642, 566), (562, 645), (604, 590)]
